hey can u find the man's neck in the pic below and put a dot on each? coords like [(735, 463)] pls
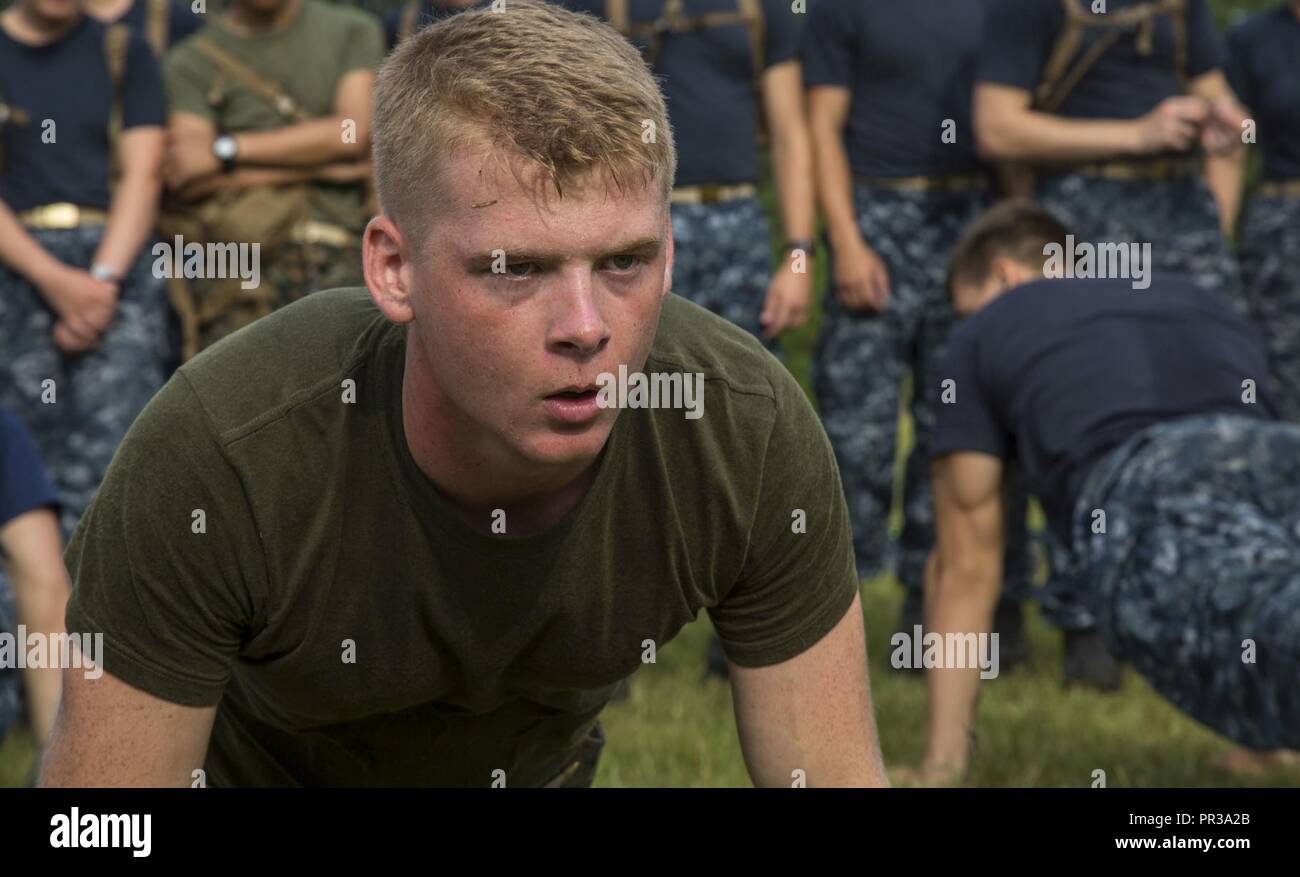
[(246, 22), (1295, 9), (26, 26), (107, 11), (475, 474)]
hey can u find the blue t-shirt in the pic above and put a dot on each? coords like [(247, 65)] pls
[(909, 67), (430, 11), (1264, 69), (181, 19), (67, 82), (708, 84), (23, 483), (1122, 84), (1056, 373)]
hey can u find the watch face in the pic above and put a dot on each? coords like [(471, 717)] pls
[(224, 148)]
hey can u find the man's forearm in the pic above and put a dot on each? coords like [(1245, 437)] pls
[(1044, 138), (835, 188), (318, 141), (131, 218), (792, 167), (958, 600)]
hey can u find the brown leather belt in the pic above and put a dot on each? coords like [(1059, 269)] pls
[(1141, 169), (62, 214), (949, 183), (1285, 188), (713, 194)]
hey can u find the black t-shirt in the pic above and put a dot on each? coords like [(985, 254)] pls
[(909, 66), (181, 19), (428, 14), (1122, 84), (1264, 68), (67, 83), (708, 83), (1056, 373)]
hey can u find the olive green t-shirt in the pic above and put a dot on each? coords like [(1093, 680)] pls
[(264, 539), (305, 59)]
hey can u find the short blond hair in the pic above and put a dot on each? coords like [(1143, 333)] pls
[(558, 88)]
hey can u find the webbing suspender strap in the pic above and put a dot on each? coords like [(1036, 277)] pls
[(256, 82), (410, 15), (157, 15), (748, 13), (116, 38), (1059, 78)]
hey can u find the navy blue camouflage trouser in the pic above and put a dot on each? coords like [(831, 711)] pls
[(1178, 217), (858, 370), (1269, 251), (77, 420), (1196, 577), (723, 259)]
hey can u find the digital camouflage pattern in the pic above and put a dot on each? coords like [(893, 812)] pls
[(858, 369), (96, 395), (295, 270), (1269, 252), (1178, 217), (723, 259), (1196, 579)]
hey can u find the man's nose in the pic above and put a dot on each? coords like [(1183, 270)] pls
[(578, 325)]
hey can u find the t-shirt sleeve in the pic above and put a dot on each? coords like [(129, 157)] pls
[(363, 43), (1018, 38), (166, 561), (827, 45), (23, 483), (799, 576), (965, 417), (144, 101), (781, 29), (1204, 50), (188, 78)]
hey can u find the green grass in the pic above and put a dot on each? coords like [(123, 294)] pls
[(676, 730)]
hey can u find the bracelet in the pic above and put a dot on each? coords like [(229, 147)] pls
[(100, 271)]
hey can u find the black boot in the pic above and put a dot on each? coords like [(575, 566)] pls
[(1009, 625), (1088, 661)]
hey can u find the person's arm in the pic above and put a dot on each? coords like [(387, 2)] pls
[(1008, 129), (34, 552), (110, 734), (789, 296), (134, 207), (250, 178), (1225, 150), (317, 141), (860, 276), (962, 580), (811, 714)]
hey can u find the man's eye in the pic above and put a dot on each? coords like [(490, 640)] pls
[(624, 263), (520, 269)]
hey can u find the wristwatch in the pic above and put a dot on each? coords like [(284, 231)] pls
[(225, 148)]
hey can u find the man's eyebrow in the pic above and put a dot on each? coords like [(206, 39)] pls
[(646, 246)]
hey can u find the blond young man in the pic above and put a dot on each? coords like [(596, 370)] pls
[(394, 538)]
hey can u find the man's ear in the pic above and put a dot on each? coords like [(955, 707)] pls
[(389, 268)]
